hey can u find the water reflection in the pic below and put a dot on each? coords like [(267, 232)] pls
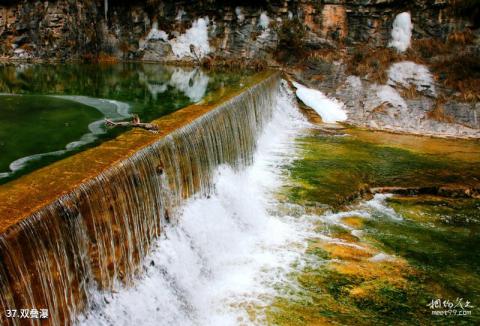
[(49, 107)]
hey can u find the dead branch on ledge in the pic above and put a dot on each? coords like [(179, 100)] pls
[(135, 123)]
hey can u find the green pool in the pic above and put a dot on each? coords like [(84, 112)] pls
[(48, 112)]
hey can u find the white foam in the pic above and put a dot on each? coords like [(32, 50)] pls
[(331, 110), (401, 32), (378, 204), (357, 233), (227, 252)]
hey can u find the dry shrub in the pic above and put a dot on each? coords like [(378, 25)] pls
[(469, 89), (469, 9), (324, 55), (427, 48), (410, 92), (462, 38), (291, 41), (212, 63), (438, 112), (101, 58), (125, 47), (106, 58), (372, 63), (381, 109), (462, 74)]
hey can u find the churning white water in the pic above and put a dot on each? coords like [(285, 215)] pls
[(227, 252)]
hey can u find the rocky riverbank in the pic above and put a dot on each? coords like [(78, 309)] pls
[(430, 87)]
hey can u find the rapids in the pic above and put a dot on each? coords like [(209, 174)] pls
[(227, 252)]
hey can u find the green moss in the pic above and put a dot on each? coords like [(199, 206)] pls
[(436, 243), (334, 170)]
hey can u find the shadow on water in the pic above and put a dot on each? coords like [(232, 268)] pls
[(383, 258)]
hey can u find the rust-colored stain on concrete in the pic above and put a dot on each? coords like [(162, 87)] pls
[(22, 197)]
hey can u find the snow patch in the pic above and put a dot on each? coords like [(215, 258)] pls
[(156, 34), (264, 20), (197, 36), (408, 73), (355, 82), (401, 32), (329, 109), (389, 94)]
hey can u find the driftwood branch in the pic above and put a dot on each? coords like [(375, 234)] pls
[(135, 123)]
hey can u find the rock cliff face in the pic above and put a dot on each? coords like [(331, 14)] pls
[(155, 29)]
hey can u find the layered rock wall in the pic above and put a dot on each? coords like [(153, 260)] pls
[(66, 29)]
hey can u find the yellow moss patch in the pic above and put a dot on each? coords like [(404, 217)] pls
[(347, 236), (346, 252), (391, 271), (353, 221)]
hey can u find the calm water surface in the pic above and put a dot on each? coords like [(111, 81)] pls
[(48, 112)]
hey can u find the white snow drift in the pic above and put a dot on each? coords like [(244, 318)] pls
[(329, 109)]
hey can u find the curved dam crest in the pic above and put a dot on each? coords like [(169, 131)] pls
[(109, 109), (85, 223)]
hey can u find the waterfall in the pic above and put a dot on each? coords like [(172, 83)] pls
[(96, 237)]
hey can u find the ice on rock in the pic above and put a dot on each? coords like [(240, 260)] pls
[(408, 73), (329, 109), (197, 36), (401, 32), (156, 34), (390, 95)]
